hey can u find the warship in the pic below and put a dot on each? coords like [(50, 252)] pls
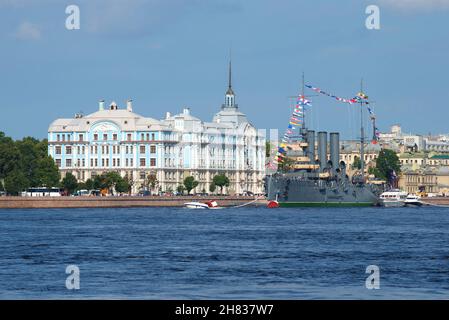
[(320, 178)]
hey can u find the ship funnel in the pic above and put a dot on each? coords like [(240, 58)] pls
[(322, 149), (334, 149), (311, 146)]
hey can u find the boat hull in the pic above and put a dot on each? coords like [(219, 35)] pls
[(324, 204)]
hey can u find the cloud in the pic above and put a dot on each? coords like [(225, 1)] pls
[(28, 31), (415, 5)]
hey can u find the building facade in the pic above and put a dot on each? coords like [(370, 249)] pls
[(181, 145)]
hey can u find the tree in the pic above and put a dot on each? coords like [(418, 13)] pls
[(180, 189), (69, 183), (267, 149), (387, 165), (16, 182), (152, 181), (190, 183), (221, 181), (1, 184), (100, 182), (122, 185), (89, 184), (286, 164), (357, 164), (111, 180), (10, 157), (46, 173), (212, 187)]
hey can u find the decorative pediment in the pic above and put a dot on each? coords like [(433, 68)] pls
[(104, 126)]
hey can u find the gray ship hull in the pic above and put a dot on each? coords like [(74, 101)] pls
[(296, 191)]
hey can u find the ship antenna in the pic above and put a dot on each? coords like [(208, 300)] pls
[(304, 109), (362, 137)]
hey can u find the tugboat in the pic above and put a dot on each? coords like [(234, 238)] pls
[(317, 181)]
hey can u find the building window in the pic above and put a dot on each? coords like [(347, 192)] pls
[(153, 136), (58, 137), (105, 136), (131, 162), (142, 136), (95, 136), (128, 136), (58, 162), (68, 162), (118, 162), (127, 150), (142, 162), (58, 150), (114, 136), (148, 136), (96, 162), (126, 162), (152, 149), (81, 137), (131, 149), (84, 162), (142, 149), (142, 175), (63, 137), (68, 137), (153, 162), (107, 162), (102, 162), (68, 150)]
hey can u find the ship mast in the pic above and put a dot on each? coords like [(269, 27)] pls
[(362, 137)]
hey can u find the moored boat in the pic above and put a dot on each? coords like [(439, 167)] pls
[(393, 198)]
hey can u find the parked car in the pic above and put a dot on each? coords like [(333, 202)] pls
[(144, 193), (82, 192)]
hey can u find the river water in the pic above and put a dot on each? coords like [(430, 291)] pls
[(244, 253)]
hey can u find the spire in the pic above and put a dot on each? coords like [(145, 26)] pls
[(230, 91)]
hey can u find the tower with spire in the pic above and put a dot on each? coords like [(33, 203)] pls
[(229, 112), (230, 96)]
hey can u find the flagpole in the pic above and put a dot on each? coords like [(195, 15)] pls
[(362, 136)]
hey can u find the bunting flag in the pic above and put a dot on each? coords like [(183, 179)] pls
[(350, 101), (294, 122), (361, 98)]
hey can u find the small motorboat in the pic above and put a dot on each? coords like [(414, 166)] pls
[(393, 198), (413, 200), (196, 205), (200, 205)]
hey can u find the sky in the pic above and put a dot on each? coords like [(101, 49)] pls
[(170, 54)]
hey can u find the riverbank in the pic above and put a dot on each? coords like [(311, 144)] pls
[(118, 202)]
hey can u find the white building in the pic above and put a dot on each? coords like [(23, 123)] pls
[(181, 145)]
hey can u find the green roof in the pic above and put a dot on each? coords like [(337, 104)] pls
[(440, 156)]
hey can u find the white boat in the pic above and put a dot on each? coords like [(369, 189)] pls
[(196, 205), (200, 205), (413, 200), (393, 198)]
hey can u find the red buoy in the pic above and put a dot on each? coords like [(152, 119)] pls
[(273, 204)]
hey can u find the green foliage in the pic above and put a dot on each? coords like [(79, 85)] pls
[(152, 181), (267, 149), (357, 164), (69, 183), (180, 189), (15, 182), (221, 181), (46, 172), (386, 163), (212, 187), (286, 164), (89, 184), (28, 156), (190, 183), (122, 186)]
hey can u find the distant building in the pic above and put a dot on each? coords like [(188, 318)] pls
[(115, 139)]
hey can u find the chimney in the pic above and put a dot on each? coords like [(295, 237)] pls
[(101, 105), (334, 149), (311, 146), (167, 115), (129, 105), (322, 149)]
